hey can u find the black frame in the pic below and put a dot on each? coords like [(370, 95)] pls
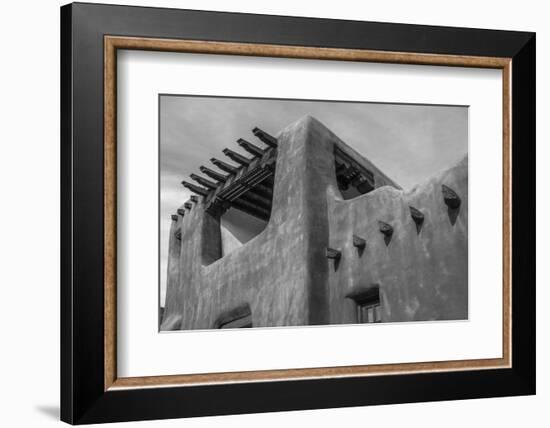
[(83, 399)]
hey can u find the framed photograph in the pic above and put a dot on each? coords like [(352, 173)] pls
[(265, 213)]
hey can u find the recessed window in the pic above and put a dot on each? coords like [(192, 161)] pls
[(367, 304), (368, 312)]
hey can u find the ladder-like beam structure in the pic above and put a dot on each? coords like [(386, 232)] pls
[(247, 187)]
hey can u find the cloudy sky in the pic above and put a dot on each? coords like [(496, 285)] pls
[(409, 143)]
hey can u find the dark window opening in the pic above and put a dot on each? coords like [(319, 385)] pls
[(368, 312), (352, 178), (367, 304)]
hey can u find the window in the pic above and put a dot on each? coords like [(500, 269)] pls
[(368, 312), (367, 304)]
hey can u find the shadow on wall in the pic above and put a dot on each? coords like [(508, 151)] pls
[(51, 411)]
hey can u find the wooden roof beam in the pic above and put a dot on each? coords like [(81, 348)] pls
[(213, 174), (250, 148), (244, 161), (265, 137), (203, 181), (251, 209), (224, 166), (195, 189), (262, 192), (256, 199)]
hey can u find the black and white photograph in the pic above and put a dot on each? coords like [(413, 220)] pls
[(288, 212)]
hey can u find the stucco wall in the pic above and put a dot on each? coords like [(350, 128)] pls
[(283, 274), (422, 275), (269, 273)]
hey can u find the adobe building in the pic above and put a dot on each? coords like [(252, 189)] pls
[(333, 239)]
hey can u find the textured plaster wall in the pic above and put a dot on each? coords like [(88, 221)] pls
[(269, 273), (422, 275), (283, 273)]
